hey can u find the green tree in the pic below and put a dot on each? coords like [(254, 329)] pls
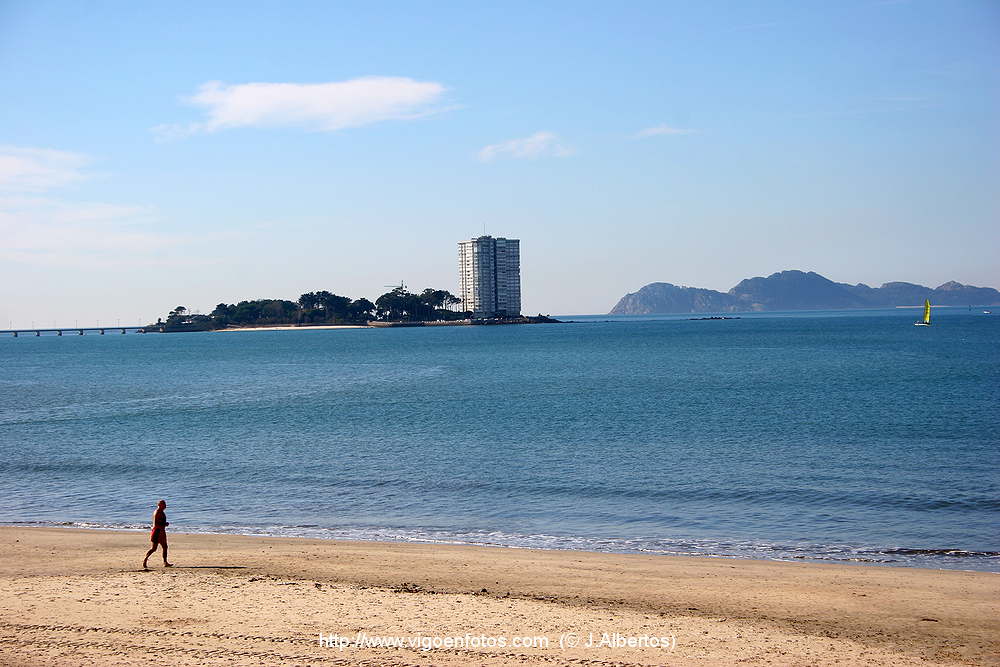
[(337, 306), (308, 301), (361, 310), (222, 315), (334, 306), (246, 312), (439, 302), (398, 305)]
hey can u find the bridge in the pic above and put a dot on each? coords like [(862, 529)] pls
[(79, 331)]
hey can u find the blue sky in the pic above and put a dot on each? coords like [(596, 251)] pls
[(190, 153)]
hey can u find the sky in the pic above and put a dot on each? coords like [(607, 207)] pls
[(163, 154)]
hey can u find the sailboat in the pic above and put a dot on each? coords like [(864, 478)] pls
[(926, 322)]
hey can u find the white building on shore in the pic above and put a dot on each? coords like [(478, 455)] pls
[(489, 272)]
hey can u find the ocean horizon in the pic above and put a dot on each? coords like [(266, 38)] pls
[(831, 436)]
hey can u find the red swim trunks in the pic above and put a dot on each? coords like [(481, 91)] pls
[(158, 536)]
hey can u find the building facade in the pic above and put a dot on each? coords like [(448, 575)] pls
[(489, 272)]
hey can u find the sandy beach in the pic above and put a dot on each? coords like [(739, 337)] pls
[(79, 597), (290, 328)]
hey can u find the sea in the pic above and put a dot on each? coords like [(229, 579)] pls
[(844, 437)]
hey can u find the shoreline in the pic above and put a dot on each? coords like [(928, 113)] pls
[(73, 596), (861, 558), (293, 328), (375, 324)]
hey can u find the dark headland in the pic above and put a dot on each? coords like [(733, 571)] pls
[(797, 290), (323, 309)]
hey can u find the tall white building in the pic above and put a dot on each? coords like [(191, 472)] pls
[(489, 272)]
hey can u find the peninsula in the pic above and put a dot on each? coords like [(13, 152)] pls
[(325, 310), (796, 290)]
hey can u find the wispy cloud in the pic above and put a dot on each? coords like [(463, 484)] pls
[(319, 107), (539, 144), (24, 169), (660, 130), (40, 230), (38, 227)]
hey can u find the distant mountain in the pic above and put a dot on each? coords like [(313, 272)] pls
[(796, 290), (667, 298)]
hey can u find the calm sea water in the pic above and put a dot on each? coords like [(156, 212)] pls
[(849, 437)]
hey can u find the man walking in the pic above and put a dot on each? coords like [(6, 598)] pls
[(158, 536)]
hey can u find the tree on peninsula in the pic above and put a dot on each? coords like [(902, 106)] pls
[(317, 308)]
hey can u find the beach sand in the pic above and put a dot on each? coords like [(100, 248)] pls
[(79, 597), (290, 328)]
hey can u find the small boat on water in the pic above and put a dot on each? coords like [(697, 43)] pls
[(926, 321)]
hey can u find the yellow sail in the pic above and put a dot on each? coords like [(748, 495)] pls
[(927, 311)]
